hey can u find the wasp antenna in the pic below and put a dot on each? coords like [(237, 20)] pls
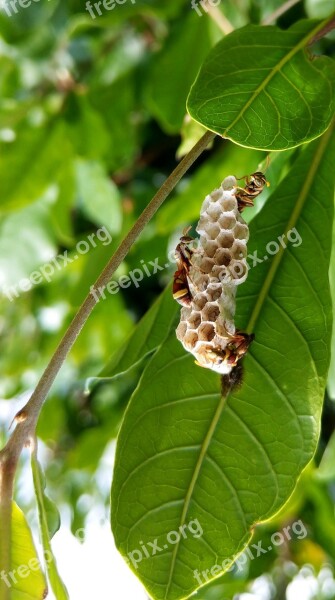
[(187, 229), (266, 166)]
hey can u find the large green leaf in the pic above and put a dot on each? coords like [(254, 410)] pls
[(331, 374), (261, 88), (186, 454), (25, 580)]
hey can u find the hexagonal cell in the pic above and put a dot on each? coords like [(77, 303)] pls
[(206, 264), (225, 239), (200, 283), (191, 338), (216, 194), (210, 312), (194, 320), (222, 257), (206, 332), (202, 224), (239, 250), (214, 291), (181, 330), (210, 247), (199, 301), (221, 274), (241, 231), (212, 229), (239, 270), (214, 211), (229, 183), (227, 221), (228, 204)]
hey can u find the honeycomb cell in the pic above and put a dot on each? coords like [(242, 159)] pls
[(212, 230), (227, 221), (229, 204), (206, 332), (210, 312), (239, 271), (191, 338), (214, 291), (194, 320), (206, 264), (214, 211), (199, 301), (225, 239), (182, 328), (239, 250), (210, 248), (241, 231), (216, 195), (223, 256)]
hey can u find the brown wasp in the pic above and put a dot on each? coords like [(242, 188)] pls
[(183, 254), (233, 352), (254, 186)]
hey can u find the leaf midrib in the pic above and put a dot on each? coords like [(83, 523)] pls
[(291, 223), (193, 481)]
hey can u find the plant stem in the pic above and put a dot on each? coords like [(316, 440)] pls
[(26, 418), (219, 18), (280, 11)]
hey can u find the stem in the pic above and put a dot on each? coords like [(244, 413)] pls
[(26, 418), (218, 17), (280, 11)]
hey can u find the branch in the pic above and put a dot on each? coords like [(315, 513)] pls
[(280, 11), (218, 17), (26, 418)]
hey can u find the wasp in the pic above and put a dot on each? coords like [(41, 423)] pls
[(183, 254), (232, 353), (254, 186)]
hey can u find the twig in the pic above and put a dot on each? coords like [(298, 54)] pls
[(280, 11), (218, 17), (26, 418)]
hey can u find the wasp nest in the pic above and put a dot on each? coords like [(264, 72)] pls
[(211, 274)]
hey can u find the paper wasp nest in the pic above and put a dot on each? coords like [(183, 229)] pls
[(215, 268)]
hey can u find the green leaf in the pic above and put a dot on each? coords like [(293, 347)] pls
[(261, 88), (100, 198), (148, 334), (170, 78), (326, 470), (319, 9), (194, 458), (27, 241), (31, 164), (331, 374), (49, 521), (26, 580)]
